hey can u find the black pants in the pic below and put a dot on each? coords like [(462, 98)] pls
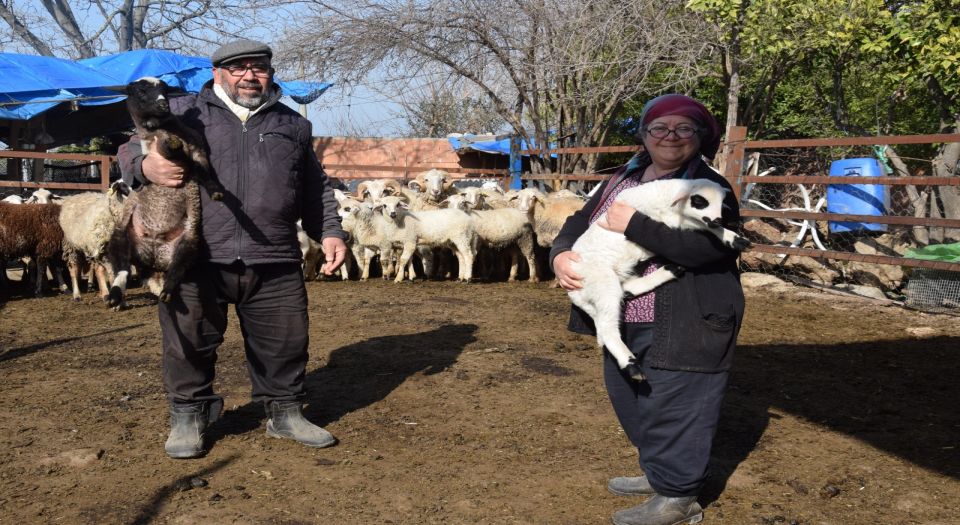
[(671, 417), (271, 303)]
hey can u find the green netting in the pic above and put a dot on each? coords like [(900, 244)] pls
[(937, 252)]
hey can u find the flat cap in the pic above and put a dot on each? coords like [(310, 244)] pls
[(240, 49)]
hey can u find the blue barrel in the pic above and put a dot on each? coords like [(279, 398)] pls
[(857, 199)]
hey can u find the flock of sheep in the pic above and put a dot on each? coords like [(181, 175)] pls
[(483, 227), (430, 218)]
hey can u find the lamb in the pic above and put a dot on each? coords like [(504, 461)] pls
[(608, 259), (359, 220), (443, 228), (498, 229), (88, 221), (32, 230), (546, 214), (160, 226)]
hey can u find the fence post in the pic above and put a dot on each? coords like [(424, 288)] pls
[(734, 152), (104, 173), (516, 164)]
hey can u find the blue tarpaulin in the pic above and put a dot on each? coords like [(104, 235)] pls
[(31, 85), (185, 72)]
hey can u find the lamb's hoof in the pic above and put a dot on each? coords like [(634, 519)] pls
[(217, 196), (77, 299), (633, 370), (675, 269), (165, 297), (741, 243)]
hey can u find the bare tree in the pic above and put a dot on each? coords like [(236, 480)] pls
[(548, 67), (82, 29)]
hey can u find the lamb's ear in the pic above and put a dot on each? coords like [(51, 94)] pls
[(403, 204), (681, 196), (445, 203)]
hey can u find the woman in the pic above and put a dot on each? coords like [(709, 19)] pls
[(683, 333)]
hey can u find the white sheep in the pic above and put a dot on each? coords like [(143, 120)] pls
[(546, 214), (89, 221), (498, 229), (430, 228), (608, 260)]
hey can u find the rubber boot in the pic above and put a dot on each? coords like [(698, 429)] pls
[(286, 421), (661, 510), (630, 486), (188, 421)]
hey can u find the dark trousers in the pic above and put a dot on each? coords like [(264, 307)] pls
[(671, 417), (271, 303)]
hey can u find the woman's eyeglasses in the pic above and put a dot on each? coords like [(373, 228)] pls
[(682, 132), (258, 70)]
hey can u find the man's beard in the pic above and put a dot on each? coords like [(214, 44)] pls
[(249, 102)]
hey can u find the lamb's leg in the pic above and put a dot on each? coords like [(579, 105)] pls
[(74, 266), (525, 244), (41, 275), (730, 239), (514, 264), (465, 252), (405, 263), (600, 298), (642, 284), (103, 277)]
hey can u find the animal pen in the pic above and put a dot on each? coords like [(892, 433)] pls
[(796, 211)]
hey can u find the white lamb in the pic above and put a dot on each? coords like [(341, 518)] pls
[(608, 259), (432, 228)]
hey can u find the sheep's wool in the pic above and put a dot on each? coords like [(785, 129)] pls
[(640, 308)]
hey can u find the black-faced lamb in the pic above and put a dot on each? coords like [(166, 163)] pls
[(160, 226), (608, 260)]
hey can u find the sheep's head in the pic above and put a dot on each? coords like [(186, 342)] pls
[(701, 203), (42, 196), (372, 190), (147, 100), (458, 201), (432, 183), (472, 197), (391, 206), (527, 198)]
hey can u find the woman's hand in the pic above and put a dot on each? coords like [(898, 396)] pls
[(161, 171), (566, 277), (617, 217)]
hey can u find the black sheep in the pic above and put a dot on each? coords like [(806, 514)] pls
[(160, 226)]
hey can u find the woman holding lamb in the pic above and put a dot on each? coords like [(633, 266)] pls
[(682, 333)]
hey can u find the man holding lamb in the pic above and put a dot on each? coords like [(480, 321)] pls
[(261, 151)]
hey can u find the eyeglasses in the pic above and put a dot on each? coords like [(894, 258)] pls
[(258, 70), (682, 132)]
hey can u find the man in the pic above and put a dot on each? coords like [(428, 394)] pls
[(262, 153)]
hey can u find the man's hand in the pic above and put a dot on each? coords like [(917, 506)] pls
[(618, 217), (161, 171), (334, 252)]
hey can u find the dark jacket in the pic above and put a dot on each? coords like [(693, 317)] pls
[(696, 317), (271, 175)]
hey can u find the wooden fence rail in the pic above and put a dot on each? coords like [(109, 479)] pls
[(105, 162)]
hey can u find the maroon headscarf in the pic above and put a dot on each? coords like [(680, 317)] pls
[(684, 106)]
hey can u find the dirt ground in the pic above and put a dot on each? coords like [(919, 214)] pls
[(470, 404)]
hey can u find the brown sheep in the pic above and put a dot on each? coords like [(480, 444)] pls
[(32, 230)]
